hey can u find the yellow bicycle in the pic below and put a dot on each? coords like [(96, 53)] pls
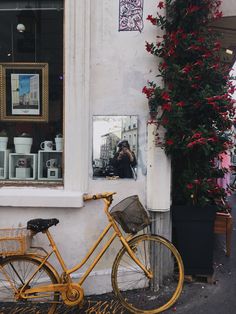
[(147, 274)]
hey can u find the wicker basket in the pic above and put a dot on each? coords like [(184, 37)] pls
[(130, 214), (14, 241)]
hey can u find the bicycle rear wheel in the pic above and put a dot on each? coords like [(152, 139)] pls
[(19, 270), (138, 293)]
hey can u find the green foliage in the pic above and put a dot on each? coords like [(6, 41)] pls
[(195, 106)]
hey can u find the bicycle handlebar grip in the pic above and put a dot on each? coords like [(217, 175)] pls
[(89, 197)]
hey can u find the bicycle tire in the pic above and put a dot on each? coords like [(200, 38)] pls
[(19, 269), (136, 292)]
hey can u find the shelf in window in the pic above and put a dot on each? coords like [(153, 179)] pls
[(23, 166), (4, 168), (50, 165)]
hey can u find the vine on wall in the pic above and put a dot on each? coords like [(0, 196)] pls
[(195, 105)]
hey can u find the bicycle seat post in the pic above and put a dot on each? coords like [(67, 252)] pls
[(55, 249), (107, 200)]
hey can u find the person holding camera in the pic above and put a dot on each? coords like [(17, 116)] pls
[(124, 160)]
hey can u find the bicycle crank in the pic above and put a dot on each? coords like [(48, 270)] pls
[(73, 295)]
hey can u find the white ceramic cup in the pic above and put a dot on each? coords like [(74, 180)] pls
[(51, 163), (46, 145), (59, 144)]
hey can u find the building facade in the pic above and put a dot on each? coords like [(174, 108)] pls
[(101, 70)]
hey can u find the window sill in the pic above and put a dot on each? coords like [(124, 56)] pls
[(40, 197)]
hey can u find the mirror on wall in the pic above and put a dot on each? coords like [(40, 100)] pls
[(115, 145)]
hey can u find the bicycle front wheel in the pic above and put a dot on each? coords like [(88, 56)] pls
[(134, 289), (15, 271)]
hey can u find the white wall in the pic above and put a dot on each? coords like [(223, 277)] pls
[(120, 67), (228, 7)]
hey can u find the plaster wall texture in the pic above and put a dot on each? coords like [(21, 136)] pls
[(228, 8), (119, 68)]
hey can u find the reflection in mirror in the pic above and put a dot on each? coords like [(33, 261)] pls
[(115, 140)]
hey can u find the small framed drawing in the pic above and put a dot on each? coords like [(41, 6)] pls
[(24, 91)]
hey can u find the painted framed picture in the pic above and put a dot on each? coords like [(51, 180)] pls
[(24, 92)]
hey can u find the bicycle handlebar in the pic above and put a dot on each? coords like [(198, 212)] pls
[(90, 197)]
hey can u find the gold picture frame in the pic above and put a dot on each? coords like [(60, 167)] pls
[(24, 92)]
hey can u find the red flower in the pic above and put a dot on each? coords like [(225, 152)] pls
[(231, 90), (163, 65), (161, 5), (200, 141), (189, 186), (210, 180), (180, 104), (166, 106), (198, 63), (148, 91), (190, 145), (218, 14), (174, 39), (215, 66), (201, 39), (217, 45), (197, 135), (207, 55), (165, 96), (148, 47), (152, 19), (171, 51), (197, 77), (194, 47), (193, 34), (187, 69), (192, 8), (169, 142), (212, 139)]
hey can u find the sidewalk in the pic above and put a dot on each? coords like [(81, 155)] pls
[(197, 297)]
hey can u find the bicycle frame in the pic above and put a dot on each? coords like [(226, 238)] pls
[(28, 293)]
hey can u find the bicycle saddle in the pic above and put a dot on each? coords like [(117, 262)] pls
[(39, 225)]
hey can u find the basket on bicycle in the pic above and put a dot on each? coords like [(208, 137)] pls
[(14, 241), (130, 214)]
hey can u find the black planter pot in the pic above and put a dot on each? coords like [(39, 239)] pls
[(193, 235)]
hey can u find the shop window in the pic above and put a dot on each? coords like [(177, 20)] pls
[(31, 76)]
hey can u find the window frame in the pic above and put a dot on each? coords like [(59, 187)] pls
[(76, 120)]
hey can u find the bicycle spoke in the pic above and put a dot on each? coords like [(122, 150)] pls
[(135, 290), (20, 270)]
